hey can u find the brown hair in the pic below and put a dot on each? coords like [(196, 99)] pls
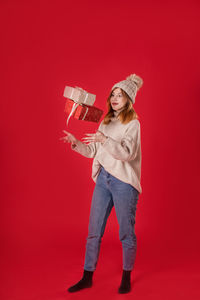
[(126, 115)]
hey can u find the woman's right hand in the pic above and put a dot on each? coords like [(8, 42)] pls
[(70, 138)]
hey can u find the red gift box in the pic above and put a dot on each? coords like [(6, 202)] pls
[(82, 111)]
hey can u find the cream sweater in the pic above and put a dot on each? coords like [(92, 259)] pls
[(120, 154)]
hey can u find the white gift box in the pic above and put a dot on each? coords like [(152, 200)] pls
[(79, 95)]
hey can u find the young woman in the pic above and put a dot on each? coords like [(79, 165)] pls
[(116, 170)]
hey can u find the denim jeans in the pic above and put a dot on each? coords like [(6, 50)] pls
[(108, 192)]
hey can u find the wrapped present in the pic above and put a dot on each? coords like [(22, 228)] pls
[(82, 111), (79, 95)]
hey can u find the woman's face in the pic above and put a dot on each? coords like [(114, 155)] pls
[(117, 100)]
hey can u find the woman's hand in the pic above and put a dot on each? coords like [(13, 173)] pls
[(70, 138), (95, 137)]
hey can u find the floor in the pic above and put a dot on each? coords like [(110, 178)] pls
[(41, 273)]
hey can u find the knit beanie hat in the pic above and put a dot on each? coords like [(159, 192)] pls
[(131, 85)]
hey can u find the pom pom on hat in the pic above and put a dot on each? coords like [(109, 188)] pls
[(131, 85), (136, 79)]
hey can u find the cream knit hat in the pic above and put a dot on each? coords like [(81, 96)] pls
[(131, 85)]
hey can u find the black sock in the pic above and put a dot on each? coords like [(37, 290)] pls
[(85, 282), (125, 286)]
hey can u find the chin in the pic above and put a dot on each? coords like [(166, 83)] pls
[(115, 108)]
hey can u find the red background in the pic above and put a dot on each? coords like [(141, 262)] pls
[(46, 188)]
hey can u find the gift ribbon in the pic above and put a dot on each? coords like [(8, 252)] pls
[(83, 94), (72, 110), (75, 105)]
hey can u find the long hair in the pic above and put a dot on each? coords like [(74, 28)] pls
[(126, 115)]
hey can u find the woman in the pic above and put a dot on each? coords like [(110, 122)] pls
[(116, 169)]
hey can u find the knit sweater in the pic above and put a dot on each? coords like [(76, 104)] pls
[(120, 154)]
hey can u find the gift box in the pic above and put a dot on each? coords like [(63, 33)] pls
[(79, 95), (82, 111)]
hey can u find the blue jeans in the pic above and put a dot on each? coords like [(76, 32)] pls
[(108, 192)]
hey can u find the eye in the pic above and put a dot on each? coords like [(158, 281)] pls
[(119, 95)]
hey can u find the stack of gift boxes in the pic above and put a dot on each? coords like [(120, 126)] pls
[(79, 104)]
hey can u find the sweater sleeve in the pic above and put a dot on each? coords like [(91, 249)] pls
[(127, 148), (88, 150), (85, 150)]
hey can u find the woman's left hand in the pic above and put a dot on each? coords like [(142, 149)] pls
[(95, 137)]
